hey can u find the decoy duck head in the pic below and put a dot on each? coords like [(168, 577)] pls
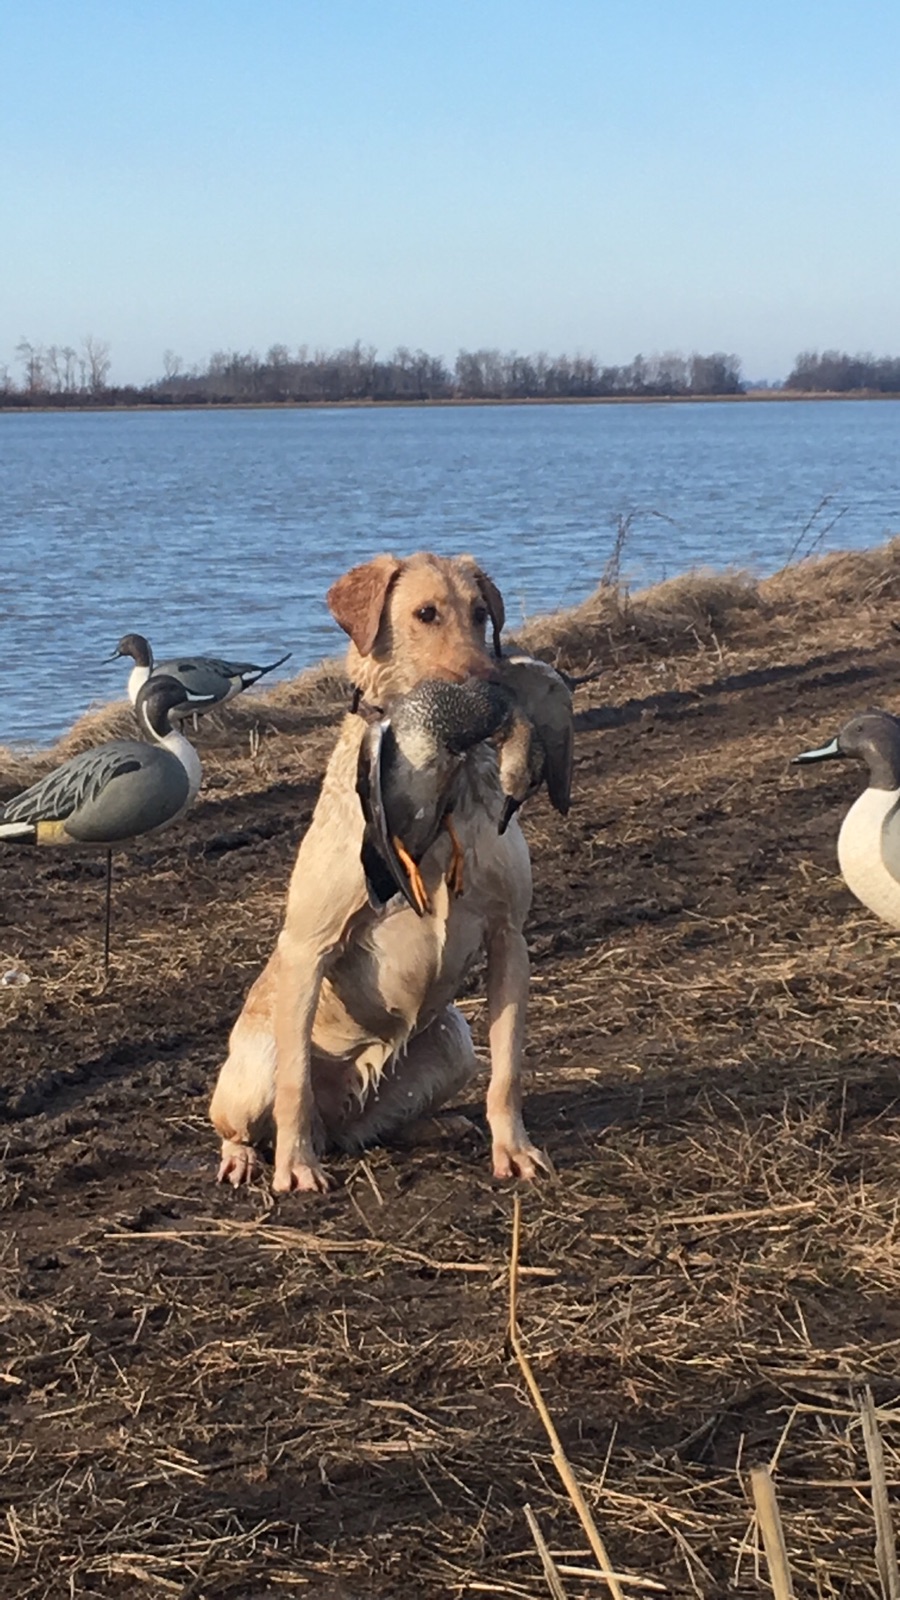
[(872, 737), (157, 698), (135, 646)]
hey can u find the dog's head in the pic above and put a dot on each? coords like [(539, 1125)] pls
[(425, 617)]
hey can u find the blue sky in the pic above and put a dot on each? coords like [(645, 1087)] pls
[(604, 176)]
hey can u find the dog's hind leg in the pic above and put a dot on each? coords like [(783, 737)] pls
[(437, 1064)]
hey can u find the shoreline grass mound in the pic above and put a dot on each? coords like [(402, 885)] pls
[(698, 612), (838, 580), (669, 618), (711, 608)]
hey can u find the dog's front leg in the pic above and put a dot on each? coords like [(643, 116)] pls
[(327, 891), (297, 1165), (514, 1156)]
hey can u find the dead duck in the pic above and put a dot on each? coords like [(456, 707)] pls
[(868, 844), (408, 763), (537, 745)]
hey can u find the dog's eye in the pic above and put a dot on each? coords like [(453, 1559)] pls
[(427, 614), (479, 615)]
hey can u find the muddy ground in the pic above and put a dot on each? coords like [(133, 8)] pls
[(220, 1395)]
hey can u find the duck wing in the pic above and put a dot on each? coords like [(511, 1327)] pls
[(247, 671), (197, 671), (199, 674), (76, 783)]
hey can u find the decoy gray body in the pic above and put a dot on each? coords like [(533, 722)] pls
[(408, 764), (869, 840), (116, 791), (217, 681), (537, 747)]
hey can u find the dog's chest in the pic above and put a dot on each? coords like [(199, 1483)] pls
[(401, 969), (398, 970)]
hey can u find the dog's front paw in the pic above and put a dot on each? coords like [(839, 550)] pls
[(519, 1158), (300, 1172), (240, 1163)]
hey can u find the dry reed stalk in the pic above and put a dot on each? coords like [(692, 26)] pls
[(769, 1519), (272, 1239), (701, 1219), (478, 1586), (885, 1543), (560, 1460), (568, 1570), (551, 1570), (688, 1555)]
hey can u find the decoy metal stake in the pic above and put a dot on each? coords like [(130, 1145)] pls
[(108, 913)]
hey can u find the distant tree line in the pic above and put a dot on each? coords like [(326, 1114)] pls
[(69, 375), (835, 372), (58, 370), (63, 375)]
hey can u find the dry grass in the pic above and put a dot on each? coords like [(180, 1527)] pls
[(706, 609), (670, 618), (679, 1341)]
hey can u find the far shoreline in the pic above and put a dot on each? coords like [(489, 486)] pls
[(752, 396)]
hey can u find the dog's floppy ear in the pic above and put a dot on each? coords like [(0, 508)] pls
[(492, 598), (356, 600)]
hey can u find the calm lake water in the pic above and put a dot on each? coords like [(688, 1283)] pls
[(220, 532)]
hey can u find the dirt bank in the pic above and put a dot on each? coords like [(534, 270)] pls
[(210, 1395)]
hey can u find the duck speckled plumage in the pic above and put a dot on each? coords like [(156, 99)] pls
[(408, 763)]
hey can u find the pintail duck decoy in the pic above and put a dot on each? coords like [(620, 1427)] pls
[(408, 763), (869, 840), (217, 681), (116, 791)]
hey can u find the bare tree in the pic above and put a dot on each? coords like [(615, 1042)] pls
[(172, 365), (277, 381), (32, 358), (54, 369), (670, 372), (835, 371), (96, 354), (70, 357)]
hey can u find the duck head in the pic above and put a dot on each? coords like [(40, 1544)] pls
[(156, 701), (135, 646), (872, 737)]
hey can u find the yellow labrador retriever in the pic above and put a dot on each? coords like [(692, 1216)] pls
[(351, 1030)]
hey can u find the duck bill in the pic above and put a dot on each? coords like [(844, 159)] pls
[(116, 656), (828, 752)]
